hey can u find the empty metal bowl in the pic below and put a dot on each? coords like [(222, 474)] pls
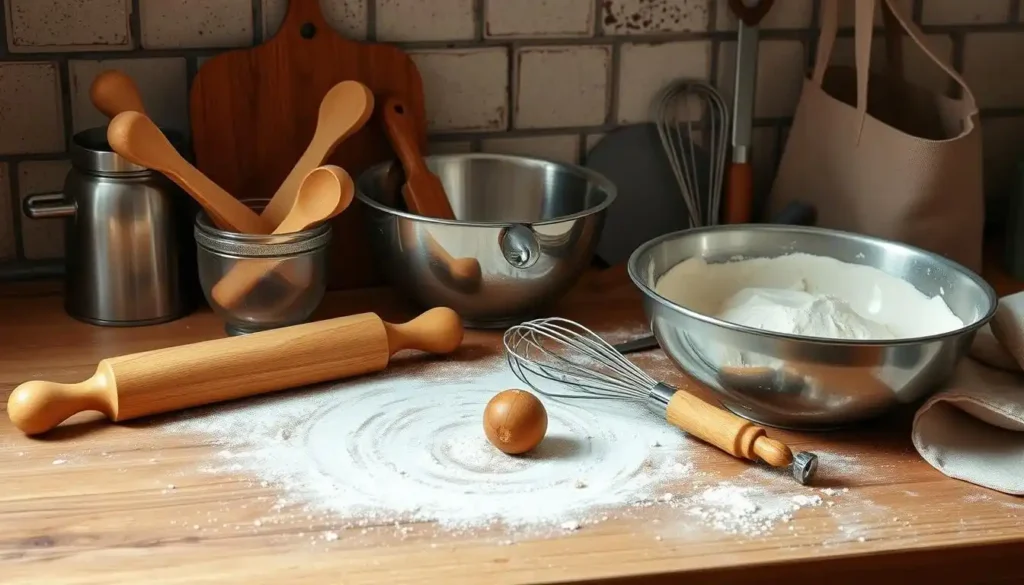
[(527, 230), (806, 383)]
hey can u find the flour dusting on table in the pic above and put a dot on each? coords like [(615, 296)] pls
[(408, 445)]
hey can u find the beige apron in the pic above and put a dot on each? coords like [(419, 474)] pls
[(880, 156)]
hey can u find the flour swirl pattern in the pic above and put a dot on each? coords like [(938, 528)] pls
[(419, 453)]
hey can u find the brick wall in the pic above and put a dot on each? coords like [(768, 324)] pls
[(536, 77)]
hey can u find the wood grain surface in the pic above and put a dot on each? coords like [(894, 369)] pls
[(92, 503), (253, 112)]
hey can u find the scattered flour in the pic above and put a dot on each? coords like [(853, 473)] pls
[(399, 448), (807, 295), (407, 445)]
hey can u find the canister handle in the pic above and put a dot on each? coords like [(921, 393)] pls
[(49, 205)]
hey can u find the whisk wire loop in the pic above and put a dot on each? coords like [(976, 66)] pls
[(570, 355)]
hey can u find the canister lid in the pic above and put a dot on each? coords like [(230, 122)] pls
[(91, 152)]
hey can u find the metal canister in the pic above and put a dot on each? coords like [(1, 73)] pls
[(126, 262)]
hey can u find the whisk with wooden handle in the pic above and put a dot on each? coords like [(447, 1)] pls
[(567, 353)]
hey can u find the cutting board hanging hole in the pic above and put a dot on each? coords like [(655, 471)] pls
[(400, 109), (307, 30)]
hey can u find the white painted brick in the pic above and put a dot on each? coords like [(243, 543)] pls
[(31, 115), (174, 24), (629, 17), (646, 69), (7, 249), (449, 147), (961, 12), (593, 139), (788, 14), (68, 25), (347, 17), (162, 83), (1004, 151), (917, 66), (419, 20), (557, 148), (780, 76), (464, 89), (41, 238), (993, 69), (538, 18), (904, 7), (562, 86)]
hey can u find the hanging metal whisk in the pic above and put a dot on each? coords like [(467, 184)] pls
[(563, 359)]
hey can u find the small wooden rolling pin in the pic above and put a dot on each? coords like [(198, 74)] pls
[(207, 372)]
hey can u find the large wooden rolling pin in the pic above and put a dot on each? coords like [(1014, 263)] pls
[(206, 372)]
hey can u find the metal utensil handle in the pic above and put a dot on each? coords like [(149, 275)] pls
[(49, 205)]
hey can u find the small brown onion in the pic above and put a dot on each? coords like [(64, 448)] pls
[(515, 421)]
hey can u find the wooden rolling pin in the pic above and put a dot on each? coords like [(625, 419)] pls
[(207, 372)]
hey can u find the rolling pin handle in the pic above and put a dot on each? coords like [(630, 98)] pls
[(438, 330), (37, 406)]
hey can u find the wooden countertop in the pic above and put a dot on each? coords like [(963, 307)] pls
[(89, 504)]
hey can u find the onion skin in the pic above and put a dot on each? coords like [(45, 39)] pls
[(515, 421)]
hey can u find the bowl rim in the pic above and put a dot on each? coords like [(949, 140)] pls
[(590, 175), (990, 293)]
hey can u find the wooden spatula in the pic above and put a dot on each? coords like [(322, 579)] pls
[(135, 137), (343, 111), (324, 193), (423, 192), (113, 92)]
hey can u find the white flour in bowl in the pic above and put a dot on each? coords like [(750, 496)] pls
[(812, 296)]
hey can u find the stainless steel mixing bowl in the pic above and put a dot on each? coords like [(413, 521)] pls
[(805, 383), (527, 229)]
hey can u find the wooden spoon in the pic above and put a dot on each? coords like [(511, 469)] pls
[(343, 111), (113, 92), (423, 192), (135, 137), (324, 193)]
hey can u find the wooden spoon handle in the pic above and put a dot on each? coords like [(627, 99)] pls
[(135, 137), (113, 92), (728, 432)]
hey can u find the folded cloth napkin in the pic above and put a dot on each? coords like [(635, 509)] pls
[(973, 429)]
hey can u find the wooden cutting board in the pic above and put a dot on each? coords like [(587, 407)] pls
[(253, 112)]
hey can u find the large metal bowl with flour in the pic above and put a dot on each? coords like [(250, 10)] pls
[(808, 382)]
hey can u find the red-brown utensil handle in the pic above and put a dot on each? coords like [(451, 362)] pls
[(739, 194)]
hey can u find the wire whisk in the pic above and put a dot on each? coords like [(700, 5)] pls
[(686, 112), (560, 358)]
